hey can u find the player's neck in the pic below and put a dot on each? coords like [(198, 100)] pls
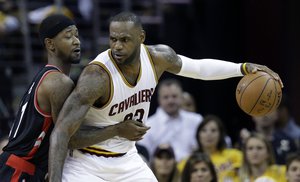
[(131, 71), (61, 65)]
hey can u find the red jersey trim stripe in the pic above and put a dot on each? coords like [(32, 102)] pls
[(46, 126), (36, 105)]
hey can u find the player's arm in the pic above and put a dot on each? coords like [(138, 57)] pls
[(92, 85), (53, 91), (88, 135), (56, 88), (166, 59)]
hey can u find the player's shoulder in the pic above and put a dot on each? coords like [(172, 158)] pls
[(57, 80), (95, 70), (159, 49), (55, 85), (164, 57)]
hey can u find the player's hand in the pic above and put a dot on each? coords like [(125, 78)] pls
[(132, 130), (253, 68)]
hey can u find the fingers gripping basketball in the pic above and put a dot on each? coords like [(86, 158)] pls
[(258, 94)]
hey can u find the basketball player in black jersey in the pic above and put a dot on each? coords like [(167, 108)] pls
[(25, 157)]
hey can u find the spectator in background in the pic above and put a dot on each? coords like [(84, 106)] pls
[(282, 144), (211, 140), (8, 22), (286, 122), (85, 8), (199, 168), (188, 102), (164, 164), (36, 16), (171, 124), (258, 160), (293, 167), (9, 26)]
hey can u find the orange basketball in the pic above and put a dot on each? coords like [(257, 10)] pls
[(258, 94)]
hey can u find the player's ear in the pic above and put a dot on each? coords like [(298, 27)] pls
[(143, 36), (49, 44)]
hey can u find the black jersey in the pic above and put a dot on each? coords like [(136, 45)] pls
[(29, 136)]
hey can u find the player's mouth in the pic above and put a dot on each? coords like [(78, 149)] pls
[(118, 56), (77, 51)]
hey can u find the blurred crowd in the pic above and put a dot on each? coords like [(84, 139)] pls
[(182, 144)]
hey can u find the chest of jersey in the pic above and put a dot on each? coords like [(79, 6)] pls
[(126, 101)]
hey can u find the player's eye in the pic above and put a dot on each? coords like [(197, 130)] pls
[(113, 39)]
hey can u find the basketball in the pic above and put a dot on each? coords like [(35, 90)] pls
[(258, 94)]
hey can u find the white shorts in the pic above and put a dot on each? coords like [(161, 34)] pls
[(91, 168)]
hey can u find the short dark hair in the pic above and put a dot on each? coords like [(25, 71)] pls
[(127, 16), (52, 25), (169, 82), (213, 118), (194, 159)]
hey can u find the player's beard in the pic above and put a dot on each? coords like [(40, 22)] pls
[(75, 60), (132, 57), (135, 54), (71, 58)]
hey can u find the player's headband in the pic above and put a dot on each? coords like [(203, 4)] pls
[(52, 25)]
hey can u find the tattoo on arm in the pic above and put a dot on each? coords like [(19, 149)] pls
[(71, 117), (167, 58)]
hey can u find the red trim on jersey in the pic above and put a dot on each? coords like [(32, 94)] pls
[(51, 65), (46, 126), (36, 105), (20, 165)]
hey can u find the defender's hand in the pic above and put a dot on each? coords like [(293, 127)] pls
[(132, 130), (248, 68)]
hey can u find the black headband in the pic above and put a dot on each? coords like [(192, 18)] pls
[(52, 25)]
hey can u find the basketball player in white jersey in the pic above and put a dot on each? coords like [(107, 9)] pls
[(118, 85)]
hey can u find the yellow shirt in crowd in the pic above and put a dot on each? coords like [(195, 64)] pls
[(275, 172), (226, 162)]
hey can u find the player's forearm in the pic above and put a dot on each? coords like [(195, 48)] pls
[(87, 136), (59, 140), (57, 154), (209, 69), (68, 122)]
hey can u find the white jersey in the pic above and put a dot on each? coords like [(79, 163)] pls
[(126, 101)]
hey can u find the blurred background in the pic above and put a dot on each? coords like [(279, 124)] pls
[(264, 32)]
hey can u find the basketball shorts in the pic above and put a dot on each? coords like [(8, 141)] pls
[(88, 167)]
